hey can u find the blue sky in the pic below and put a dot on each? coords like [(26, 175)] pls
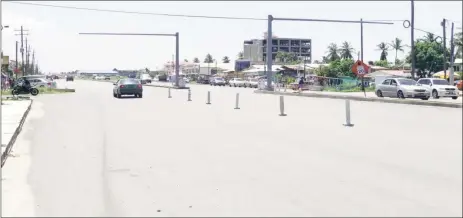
[(54, 31)]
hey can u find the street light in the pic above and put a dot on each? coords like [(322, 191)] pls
[(5, 27)]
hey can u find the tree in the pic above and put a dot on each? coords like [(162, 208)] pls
[(332, 53), (383, 47), (240, 55), (195, 60), (382, 63), (115, 69), (458, 41), (346, 50), (225, 59), (147, 70), (397, 46), (208, 59), (429, 56), (186, 60), (429, 37)]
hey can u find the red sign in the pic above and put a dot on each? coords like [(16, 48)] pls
[(16, 70), (360, 69)]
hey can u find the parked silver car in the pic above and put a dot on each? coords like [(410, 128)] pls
[(401, 88), (236, 82)]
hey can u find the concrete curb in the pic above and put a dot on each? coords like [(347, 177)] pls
[(10, 144), (358, 98), (66, 90), (152, 85)]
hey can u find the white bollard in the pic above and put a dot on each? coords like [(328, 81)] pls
[(348, 123), (189, 94), (208, 97), (282, 106), (237, 103), (168, 93)]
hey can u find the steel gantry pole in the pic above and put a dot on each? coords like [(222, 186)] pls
[(177, 47), (269, 52)]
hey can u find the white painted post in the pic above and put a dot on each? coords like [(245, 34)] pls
[(282, 106), (348, 123), (237, 103)]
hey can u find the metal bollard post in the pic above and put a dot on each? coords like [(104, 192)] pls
[(168, 93), (237, 103), (348, 123), (189, 94), (285, 87), (208, 97), (282, 106)]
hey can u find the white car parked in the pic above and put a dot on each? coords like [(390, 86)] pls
[(439, 88), (252, 83), (42, 83), (236, 82)]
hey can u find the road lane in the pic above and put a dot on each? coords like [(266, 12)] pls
[(169, 157)]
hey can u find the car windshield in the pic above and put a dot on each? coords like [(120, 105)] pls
[(219, 79), (406, 82), (238, 79), (253, 80), (440, 82), (130, 81)]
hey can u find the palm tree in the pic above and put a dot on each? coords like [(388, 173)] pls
[(383, 47), (324, 60), (195, 60), (430, 37), (225, 59), (397, 46), (208, 59), (333, 52), (346, 50), (240, 55)]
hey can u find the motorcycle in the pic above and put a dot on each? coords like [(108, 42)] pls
[(19, 89)]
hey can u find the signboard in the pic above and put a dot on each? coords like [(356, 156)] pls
[(360, 69), (5, 60)]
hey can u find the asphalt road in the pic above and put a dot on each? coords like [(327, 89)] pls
[(89, 154)]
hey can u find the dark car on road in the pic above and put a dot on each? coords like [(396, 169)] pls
[(128, 86), (69, 78), (107, 78)]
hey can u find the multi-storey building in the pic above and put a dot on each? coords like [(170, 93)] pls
[(255, 50)]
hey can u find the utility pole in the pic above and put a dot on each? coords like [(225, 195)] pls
[(16, 68), (452, 56), (412, 34), (27, 59), (33, 63), (23, 69), (445, 47)]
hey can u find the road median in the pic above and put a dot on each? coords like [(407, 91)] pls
[(361, 98)]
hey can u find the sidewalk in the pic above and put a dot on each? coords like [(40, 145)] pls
[(13, 116)]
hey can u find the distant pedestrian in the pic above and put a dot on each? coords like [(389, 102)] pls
[(301, 83)]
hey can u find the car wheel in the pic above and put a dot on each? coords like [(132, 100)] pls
[(435, 94), (114, 95), (455, 97), (118, 95), (400, 95), (140, 95), (379, 93), (427, 98)]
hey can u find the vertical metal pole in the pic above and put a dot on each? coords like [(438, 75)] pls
[(452, 57), (361, 54), (177, 59), (168, 93), (189, 94), (348, 123), (444, 44), (361, 40), (237, 103), (23, 69), (269, 53), (412, 37), (208, 97), (282, 106)]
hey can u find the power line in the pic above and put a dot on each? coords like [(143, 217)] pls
[(139, 13)]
